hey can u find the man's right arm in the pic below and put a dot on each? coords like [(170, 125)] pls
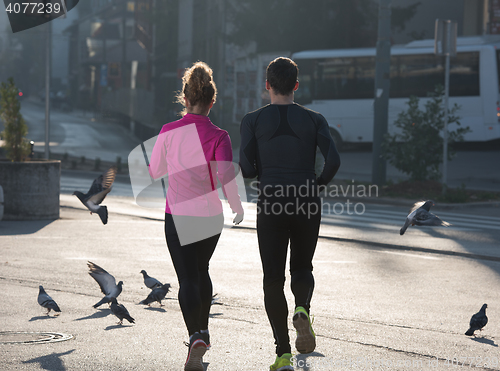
[(248, 149)]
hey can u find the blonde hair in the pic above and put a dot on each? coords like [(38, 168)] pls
[(198, 86)]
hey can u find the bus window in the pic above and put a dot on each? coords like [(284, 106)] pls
[(365, 77), (415, 75), (419, 74), (303, 95), (498, 69), (464, 75)]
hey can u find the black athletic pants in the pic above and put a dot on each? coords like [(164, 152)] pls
[(283, 220), (191, 265)]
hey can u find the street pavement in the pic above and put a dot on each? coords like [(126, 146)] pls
[(382, 301), (385, 302)]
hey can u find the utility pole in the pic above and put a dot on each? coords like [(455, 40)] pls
[(382, 86), (48, 63), (445, 43)]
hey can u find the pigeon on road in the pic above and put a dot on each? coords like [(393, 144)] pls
[(158, 294), (106, 282), (47, 302), (478, 321), (120, 312), (97, 192), (215, 300), (149, 281), (420, 215)]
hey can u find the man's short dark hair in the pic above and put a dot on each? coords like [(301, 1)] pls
[(282, 75)]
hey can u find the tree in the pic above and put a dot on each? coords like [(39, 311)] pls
[(17, 60), (418, 149), (15, 129), (295, 25)]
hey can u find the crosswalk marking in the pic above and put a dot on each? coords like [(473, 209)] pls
[(377, 217), (446, 214), (381, 217)]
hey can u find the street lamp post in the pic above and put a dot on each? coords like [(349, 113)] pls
[(382, 85), (48, 62), (445, 43)]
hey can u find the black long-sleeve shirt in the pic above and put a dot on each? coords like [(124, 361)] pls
[(278, 145)]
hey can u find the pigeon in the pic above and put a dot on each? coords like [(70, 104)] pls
[(120, 312), (97, 192), (478, 321), (106, 282), (420, 215), (215, 300), (149, 281), (158, 294), (47, 302)]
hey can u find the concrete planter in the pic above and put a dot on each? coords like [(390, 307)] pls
[(31, 189)]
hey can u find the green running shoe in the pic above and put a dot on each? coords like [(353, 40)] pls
[(282, 363), (306, 338)]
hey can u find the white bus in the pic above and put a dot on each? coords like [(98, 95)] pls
[(340, 85)]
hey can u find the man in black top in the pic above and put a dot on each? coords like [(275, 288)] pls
[(278, 146)]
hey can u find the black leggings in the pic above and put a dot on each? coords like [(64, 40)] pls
[(297, 223), (191, 265)]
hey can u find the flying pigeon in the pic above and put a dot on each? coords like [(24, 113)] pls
[(420, 215), (47, 302), (149, 281), (97, 192), (120, 312), (158, 294), (478, 321), (106, 282)]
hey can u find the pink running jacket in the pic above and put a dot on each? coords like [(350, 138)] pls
[(194, 153)]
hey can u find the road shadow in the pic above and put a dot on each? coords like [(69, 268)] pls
[(213, 315), (12, 228), (100, 314), (52, 362), (155, 309), (114, 327), (302, 361), (45, 316), (484, 340)]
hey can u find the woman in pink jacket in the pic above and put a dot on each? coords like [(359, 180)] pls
[(194, 153)]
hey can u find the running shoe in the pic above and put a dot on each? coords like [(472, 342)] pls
[(197, 348), (206, 338), (306, 338), (282, 363)]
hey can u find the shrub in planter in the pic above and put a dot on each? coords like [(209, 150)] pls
[(31, 188), (418, 149), (15, 129)]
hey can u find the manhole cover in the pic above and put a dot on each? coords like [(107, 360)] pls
[(11, 337)]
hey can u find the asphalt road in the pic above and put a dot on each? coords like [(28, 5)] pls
[(382, 301), (78, 135), (376, 306)]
